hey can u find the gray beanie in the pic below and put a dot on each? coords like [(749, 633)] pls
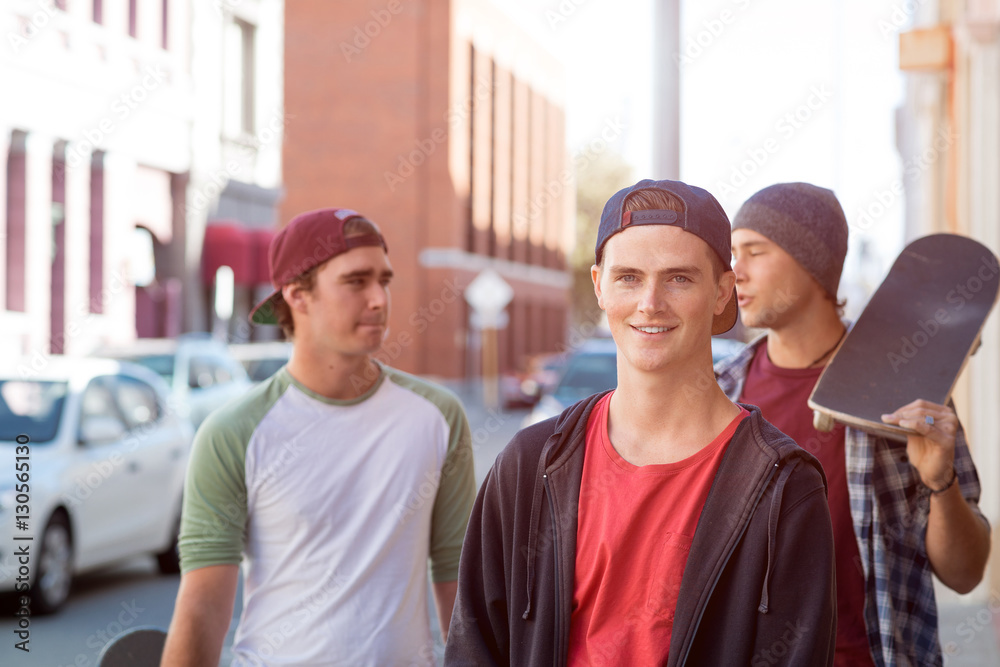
[(806, 221)]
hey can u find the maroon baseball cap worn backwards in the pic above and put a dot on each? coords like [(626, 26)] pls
[(307, 241), (702, 216)]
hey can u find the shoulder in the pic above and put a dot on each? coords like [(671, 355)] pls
[(445, 400), (234, 423), (760, 435)]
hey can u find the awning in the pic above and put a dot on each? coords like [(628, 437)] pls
[(228, 244)]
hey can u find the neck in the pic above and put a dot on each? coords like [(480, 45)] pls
[(662, 418), (808, 341), (339, 377)]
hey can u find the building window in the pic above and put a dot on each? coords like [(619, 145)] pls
[(238, 79), (164, 25), (96, 232), (98, 11), (132, 20), (15, 267)]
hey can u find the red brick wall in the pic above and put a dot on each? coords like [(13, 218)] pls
[(377, 92)]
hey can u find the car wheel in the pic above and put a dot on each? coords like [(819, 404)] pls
[(55, 567), (169, 560)]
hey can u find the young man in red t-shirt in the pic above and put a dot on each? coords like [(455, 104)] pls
[(898, 513), (659, 523)]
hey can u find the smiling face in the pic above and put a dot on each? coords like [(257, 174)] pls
[(772, 287), (659, 290), (347, 311)]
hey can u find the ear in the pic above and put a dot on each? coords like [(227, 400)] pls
[(296, 297), (595, 275), (727, 281)]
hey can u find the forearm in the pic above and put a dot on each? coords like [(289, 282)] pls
[(957, 541), (201, 617), (444, 600)]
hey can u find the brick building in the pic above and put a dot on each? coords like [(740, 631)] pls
[(442, 121)]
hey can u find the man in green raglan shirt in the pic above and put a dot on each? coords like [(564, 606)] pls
[(332, 483)]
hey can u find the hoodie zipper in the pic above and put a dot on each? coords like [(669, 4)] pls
[(682, 659), (560, 635)]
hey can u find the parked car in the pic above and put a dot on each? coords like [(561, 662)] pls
[(200, 371), (524, 389), (261, 360), (592, 368), (100, 462)]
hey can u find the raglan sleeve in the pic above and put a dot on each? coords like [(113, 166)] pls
[(214, 515), (455, 496)]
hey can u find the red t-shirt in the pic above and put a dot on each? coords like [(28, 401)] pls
[(633, 535), (781, 395)]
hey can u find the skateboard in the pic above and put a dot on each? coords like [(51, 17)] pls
[(137, 647), (913, 338)]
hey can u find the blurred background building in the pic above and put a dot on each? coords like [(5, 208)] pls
[(137, 133), (949, 135), (443, 122)]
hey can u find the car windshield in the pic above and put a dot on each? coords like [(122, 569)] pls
[(161, 364), (587, 374), (30, 408)]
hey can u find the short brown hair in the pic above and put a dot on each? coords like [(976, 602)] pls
[(307, 279), (661, 200)]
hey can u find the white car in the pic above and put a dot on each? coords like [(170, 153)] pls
[(201, 373), (93, 458)]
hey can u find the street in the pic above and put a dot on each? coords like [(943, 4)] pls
[(104, 604)]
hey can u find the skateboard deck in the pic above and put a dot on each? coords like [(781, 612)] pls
[(913, 338), (137, 647)]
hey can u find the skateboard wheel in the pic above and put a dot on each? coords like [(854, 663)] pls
[(822, 421)]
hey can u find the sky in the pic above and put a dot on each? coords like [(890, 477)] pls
[(771, 91)]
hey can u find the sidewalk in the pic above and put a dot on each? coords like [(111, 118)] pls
[(969, 627)]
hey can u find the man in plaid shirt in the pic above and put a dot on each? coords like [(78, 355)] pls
[(900, 511)]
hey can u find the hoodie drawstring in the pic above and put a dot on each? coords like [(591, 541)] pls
[(772, 527)]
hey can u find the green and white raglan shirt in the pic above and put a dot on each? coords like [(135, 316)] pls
[(333, 508)]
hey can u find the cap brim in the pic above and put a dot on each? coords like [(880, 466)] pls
[(727, 320), (265, 311)]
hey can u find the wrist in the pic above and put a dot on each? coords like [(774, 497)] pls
[(937, 487)]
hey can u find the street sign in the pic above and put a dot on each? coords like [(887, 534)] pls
[(489, 294)]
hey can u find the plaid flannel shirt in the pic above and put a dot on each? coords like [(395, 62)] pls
[(889, 508)]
